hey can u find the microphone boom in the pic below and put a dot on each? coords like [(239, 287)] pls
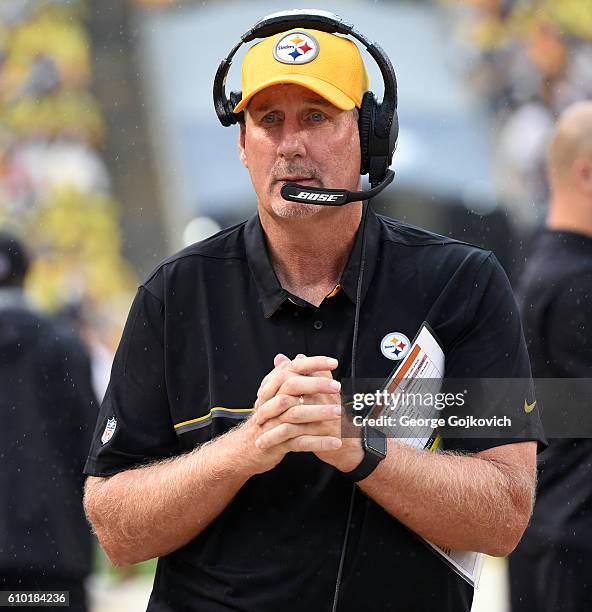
[(294, 192)]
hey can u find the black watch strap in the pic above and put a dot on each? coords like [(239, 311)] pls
[(374, 452)]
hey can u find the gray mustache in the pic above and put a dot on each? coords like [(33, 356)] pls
[(280, 171)]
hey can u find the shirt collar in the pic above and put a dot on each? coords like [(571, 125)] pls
[(349, 278), (272, 295)]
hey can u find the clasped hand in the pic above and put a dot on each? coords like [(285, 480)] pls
[(298, 409)]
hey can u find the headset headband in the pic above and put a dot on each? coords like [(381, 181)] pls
[(316, 20)]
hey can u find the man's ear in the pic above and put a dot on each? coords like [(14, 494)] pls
[(241, 144)]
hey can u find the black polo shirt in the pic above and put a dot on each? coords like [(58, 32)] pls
[(202, 333)]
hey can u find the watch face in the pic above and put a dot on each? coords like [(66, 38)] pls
[(375, 441)]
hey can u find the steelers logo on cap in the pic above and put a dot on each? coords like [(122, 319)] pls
[(296, 48)]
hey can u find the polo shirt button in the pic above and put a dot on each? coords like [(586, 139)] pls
[(317, 324)]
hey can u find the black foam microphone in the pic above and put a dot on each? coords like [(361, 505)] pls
[(332, 197)]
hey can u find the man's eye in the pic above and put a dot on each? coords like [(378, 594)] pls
[(269, 118), (317, 117)]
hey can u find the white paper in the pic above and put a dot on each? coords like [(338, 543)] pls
[(422, 371)]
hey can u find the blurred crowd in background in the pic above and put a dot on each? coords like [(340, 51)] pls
[(535, 59), (532, 58), (55, 189)]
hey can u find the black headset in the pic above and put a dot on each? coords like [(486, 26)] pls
[(378, 122)]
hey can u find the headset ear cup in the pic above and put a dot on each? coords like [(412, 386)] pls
[(235, 98), (365, 127)]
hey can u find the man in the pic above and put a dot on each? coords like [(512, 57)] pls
[(224, 397), (552, 568), (48, 411)]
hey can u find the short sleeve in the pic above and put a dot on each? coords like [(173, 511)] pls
[(492, 346), (134, 426)]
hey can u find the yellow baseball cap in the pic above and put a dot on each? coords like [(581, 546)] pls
[(327, 64)]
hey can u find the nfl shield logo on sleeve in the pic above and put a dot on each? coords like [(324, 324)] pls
[(109, 430)]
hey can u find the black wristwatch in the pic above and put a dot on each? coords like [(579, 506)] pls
[(374, 446)]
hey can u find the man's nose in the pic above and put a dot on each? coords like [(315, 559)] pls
[(292, 141)]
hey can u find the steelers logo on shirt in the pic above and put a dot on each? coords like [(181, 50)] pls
[(395, 346)]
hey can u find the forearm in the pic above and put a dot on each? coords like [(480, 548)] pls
[(457, 501), (151, 511)]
